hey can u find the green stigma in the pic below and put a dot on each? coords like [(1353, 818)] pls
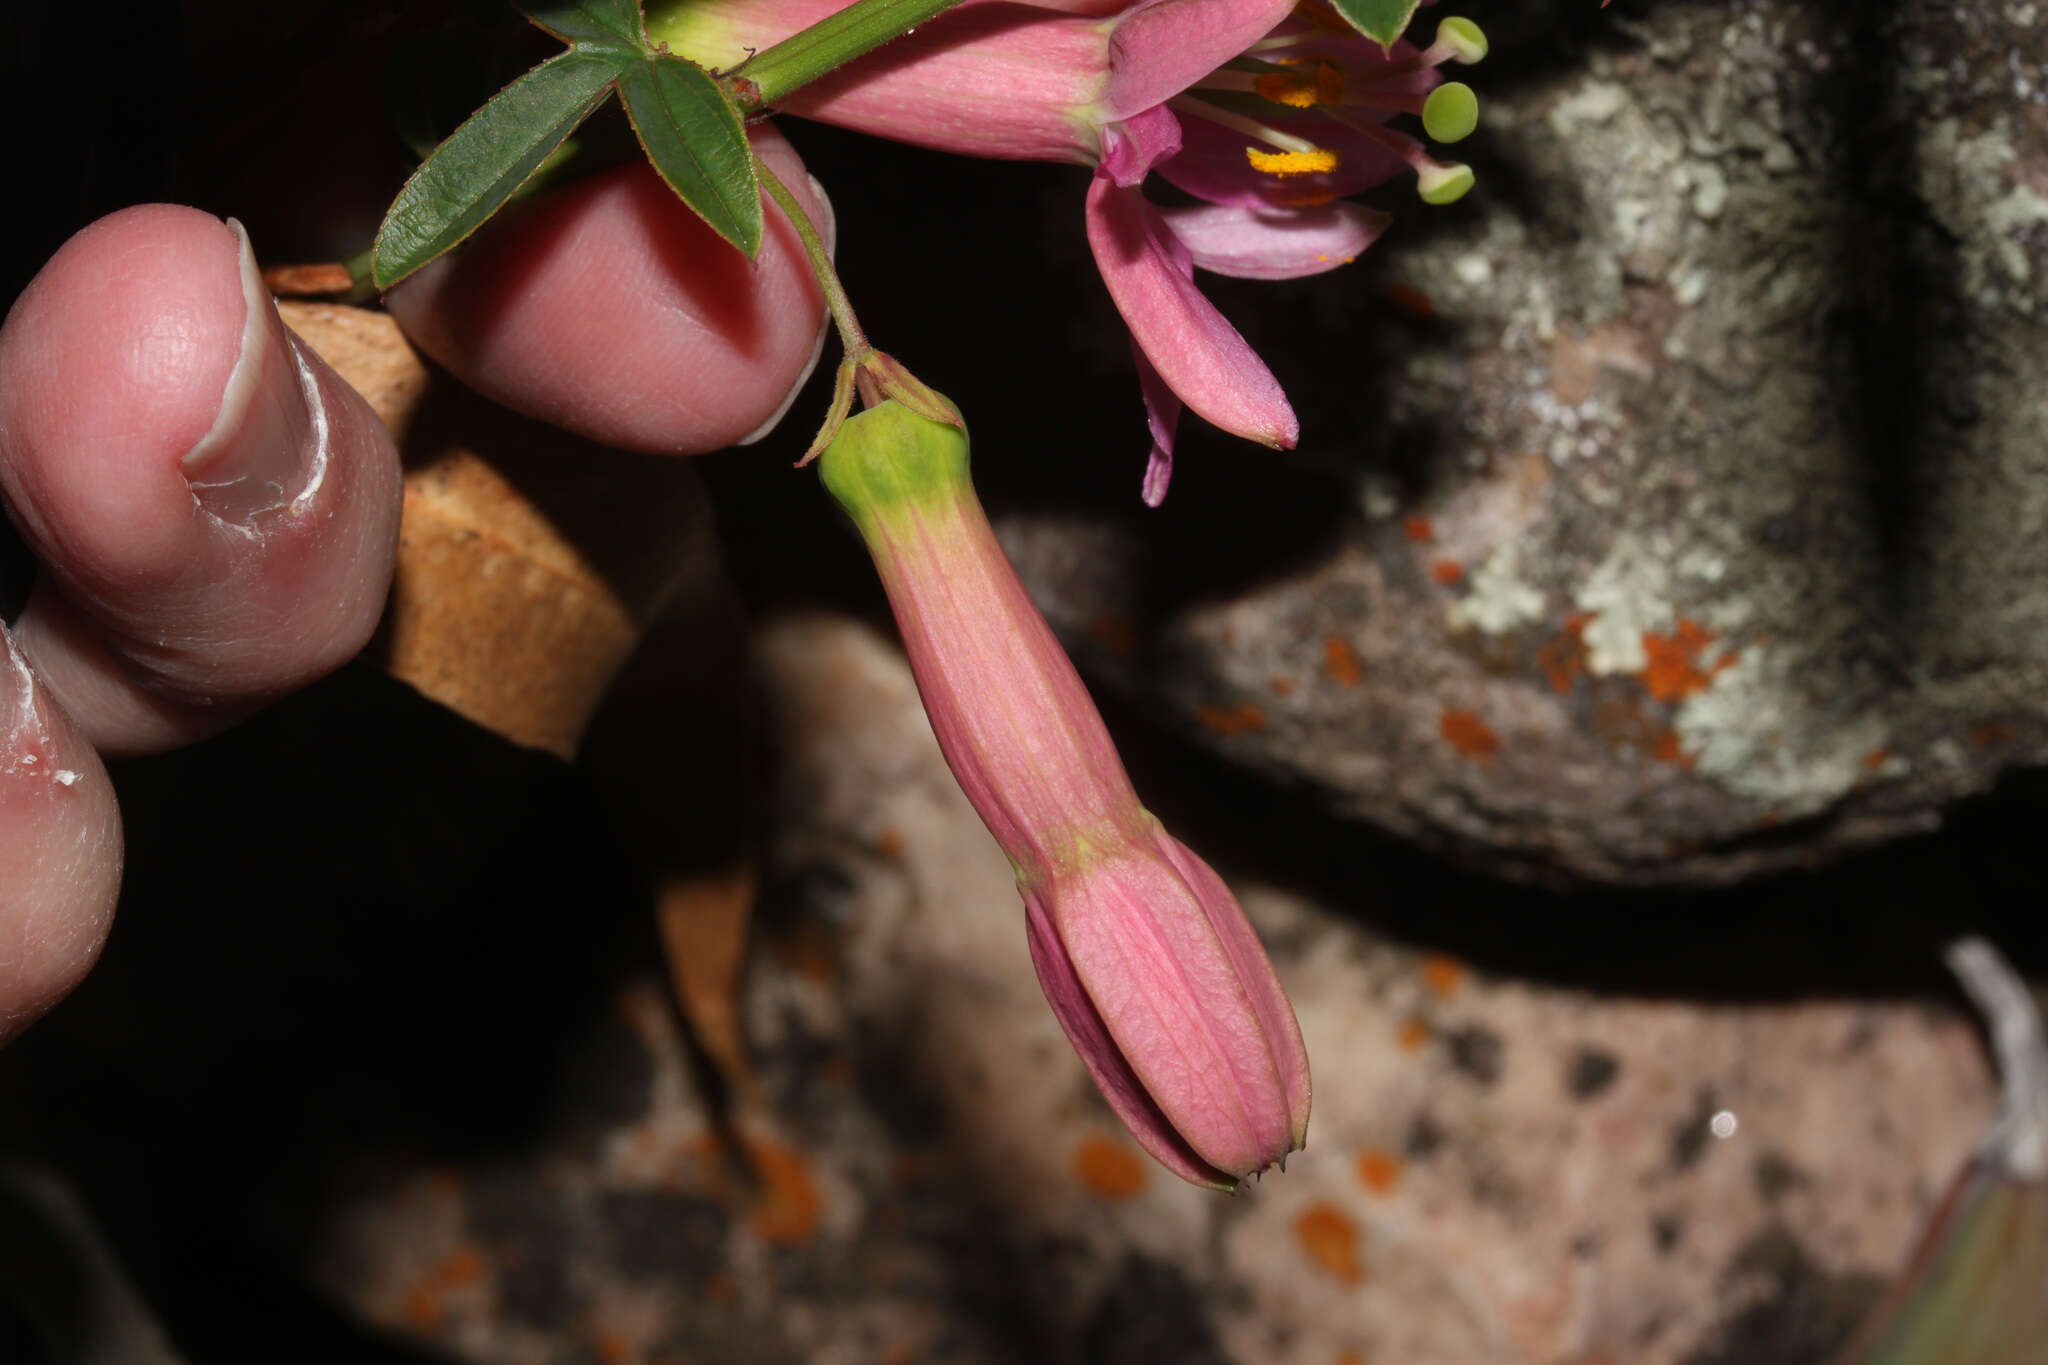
[(1464, 38), (1444, 184), (1451, 112)]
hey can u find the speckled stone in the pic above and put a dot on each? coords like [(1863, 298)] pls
[(1497, 1171), (1670, 510)]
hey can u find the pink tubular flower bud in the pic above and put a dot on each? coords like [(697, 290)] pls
[(1147, 959)]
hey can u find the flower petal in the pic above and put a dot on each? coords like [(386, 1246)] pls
[(1132, 147), (1254, 972), (1002, 80), (1107, 1066), (1274, 244), (1161, 47), (1162, 415), (1211, 164), (1199, 355)]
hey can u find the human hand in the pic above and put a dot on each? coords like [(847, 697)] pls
[(214, 512)]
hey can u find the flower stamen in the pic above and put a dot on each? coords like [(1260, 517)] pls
[(1438, 182)]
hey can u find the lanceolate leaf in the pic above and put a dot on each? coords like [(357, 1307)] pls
[(481, 165), (591, 23), (695, 139), (1381, 20)]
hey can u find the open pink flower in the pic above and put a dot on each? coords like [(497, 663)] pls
[(1268, 115)]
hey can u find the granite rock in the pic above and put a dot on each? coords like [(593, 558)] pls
[(1667, 512)]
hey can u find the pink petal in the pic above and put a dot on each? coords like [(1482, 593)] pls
[(1274, 244), (1133, 146), (1002, 80), (1198, 354), (1161, 47), (1255, 973), (1106, 1063), (1166, 988), (1162, 415), (1212, 165)]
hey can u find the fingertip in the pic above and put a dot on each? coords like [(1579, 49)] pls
[(117, 353), (610, 309), (60, 862)]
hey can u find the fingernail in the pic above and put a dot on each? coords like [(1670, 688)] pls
[(267, 441), (827, 224)]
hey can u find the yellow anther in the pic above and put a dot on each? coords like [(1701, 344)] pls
[(1300, 89), (1315, 161)]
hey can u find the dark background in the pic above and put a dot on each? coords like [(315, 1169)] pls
[(358, 914)]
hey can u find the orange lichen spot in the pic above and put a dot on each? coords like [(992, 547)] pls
[(1876, 759), (1300, 88), (1469, 735), (1350, 1358), (1340, 661), (720, 1286), (806, 949), (1117, 634), (1240, 719), (1417, 528), (1314, 161), (1449, 572), (613, 1348), (1414, 1034), (1562, 658), (1410, 302), (1667, 747), (1282, 685), (1674, 671), (423, 1308), (445, 1184), (1330, 1240), (1378, 1170), (464, 1266), (1109, 1169), (1991, 734), (789, 1207), (1443, 975), (889, 843)]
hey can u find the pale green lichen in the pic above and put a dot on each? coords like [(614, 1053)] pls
[(1498, 600)]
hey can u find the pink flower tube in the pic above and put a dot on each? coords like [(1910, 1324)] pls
[(1145, 956), (1268, 115)]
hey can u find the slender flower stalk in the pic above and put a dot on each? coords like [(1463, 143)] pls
[(1145, 956)]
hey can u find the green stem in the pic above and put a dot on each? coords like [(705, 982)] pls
[(851, 337), (827, 45)]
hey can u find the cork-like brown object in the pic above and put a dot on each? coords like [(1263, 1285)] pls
[(528, 561)]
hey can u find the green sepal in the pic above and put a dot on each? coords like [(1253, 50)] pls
[(889, 457)]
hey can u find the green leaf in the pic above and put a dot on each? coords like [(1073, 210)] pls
[(471, 175), (1380, 20), (695, 139), (591, 23)]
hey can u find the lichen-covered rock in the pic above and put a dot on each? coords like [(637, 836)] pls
[(1696, 466), (1498, 1173)]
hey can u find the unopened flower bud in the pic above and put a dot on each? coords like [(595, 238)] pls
[(1147, 959)]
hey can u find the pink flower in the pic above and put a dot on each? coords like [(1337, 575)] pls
[(1144, 955), (1269, 116)]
